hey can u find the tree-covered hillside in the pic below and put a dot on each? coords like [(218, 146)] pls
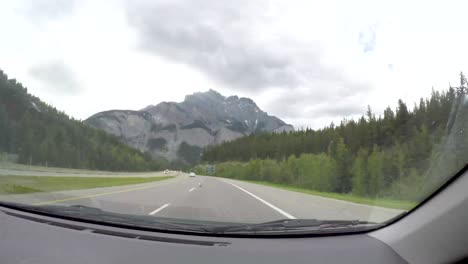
[(389, 155), (41, 135)]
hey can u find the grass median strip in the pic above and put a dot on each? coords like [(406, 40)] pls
[(382, 202), (24, 167), (33, 184)]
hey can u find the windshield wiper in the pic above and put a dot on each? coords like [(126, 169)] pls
[(292, 225), (284, 226), (96, 215)]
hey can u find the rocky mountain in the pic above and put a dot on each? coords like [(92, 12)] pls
[(179, 131)]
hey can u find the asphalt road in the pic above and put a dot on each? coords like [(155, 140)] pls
[(209, 198)]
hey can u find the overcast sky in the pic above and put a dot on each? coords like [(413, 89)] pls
[(307, 62)]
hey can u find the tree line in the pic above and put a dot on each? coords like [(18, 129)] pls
[(395, 155), (39, 134)]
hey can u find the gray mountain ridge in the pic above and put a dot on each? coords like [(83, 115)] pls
[(180, 131)]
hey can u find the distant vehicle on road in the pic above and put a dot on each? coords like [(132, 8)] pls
[(192, 174), (166, 171)]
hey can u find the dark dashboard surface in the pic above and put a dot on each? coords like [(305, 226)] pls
[(26, 241)]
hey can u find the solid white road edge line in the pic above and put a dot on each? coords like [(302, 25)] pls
[(191, 189), (159, 209), (263, 201)]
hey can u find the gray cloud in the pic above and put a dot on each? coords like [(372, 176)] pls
[(221, 39), (41, 10), (341, 108), (330, 103), (56, 76), (211, 36)]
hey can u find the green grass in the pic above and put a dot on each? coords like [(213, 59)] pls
[(18, 166), (31, 169), (382, 202), (24, 167), (32, 184)]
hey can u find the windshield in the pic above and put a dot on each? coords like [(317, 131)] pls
[(231, 116)]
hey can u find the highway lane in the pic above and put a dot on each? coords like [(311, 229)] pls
[(215, 200), (303, 205)]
